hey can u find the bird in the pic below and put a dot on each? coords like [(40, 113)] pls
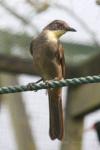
[(48, 59), (96, 127)]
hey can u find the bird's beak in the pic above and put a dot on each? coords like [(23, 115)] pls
[(71, 29)]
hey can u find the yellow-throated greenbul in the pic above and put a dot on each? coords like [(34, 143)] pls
[(48, 58)]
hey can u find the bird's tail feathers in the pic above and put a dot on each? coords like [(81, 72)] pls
[(56, 114)]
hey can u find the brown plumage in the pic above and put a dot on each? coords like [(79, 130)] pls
[(48, 57)]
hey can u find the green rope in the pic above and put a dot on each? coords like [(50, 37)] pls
[(51, 84)]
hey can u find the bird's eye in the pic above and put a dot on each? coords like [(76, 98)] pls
[(58, 26)]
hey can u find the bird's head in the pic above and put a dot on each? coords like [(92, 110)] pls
[(58, 28)]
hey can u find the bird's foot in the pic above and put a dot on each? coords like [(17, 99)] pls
[(57, 79), (47, 82), (39, 81), (30, 85)]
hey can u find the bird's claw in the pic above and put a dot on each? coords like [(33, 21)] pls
[(30, 86)]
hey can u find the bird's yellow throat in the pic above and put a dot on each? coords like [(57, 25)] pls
[(54, 35)]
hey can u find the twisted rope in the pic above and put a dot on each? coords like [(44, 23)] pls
[(51, 84)]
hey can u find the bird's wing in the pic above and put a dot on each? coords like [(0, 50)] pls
[(59, 51), (31, 47), (61, 58)]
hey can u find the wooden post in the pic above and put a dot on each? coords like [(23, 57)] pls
[(82, 100), (18, 114), (73, 127)]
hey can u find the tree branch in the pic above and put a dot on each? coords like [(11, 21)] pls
[(39, 6), (21, 18), (98, 2), (13, 64)]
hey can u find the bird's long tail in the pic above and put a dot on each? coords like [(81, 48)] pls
[(55, 114)]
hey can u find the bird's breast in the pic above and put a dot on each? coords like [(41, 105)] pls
[(44, 57)]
